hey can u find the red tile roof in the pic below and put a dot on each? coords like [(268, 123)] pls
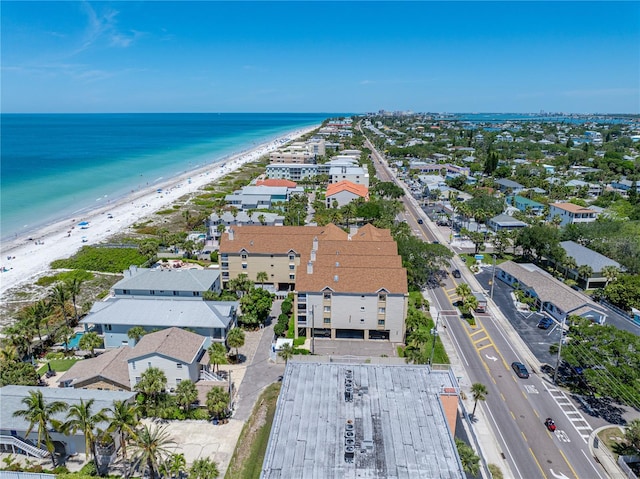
[(345, 185), (277, 182)]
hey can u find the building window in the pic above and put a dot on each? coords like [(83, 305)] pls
[(292, 257), (327, 295), (327, 320), (107, 327), (292, 277), (179, 365), (327, 309), (243, 255), (175, 293), (178, 380), (381, 322), (382, 297), (292, 266), (382, 310), (244, 265), (152, 293), (149, 364), (361, 308), (125, 291), (362, 296), (133, 365), (302, 319), (137, 379), (362, 320)]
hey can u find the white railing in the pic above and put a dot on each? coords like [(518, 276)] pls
[(15, 442)]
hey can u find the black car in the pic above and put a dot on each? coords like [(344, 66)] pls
[(420, 221), (456, 273), (545, 323), (520, 370)]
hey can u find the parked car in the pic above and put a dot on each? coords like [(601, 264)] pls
[(545, 323), (520, 370), (456, 273)]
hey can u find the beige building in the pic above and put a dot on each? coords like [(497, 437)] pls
[(341, 290), (299, 152)]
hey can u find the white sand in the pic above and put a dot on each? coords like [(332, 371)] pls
[(30, 257)]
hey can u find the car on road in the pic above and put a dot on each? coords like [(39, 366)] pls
[(545, 323), (420, 221), (456, 273), (520, 370)]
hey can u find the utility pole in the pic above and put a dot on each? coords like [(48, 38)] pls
[(493, 279), (555, 371), (434, 331)]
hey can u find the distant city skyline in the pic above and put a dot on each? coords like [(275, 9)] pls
[(517, 57)]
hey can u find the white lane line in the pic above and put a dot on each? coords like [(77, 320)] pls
[(496, 428), (591, 462)]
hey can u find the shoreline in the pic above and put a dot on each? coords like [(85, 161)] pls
[(31, 253)]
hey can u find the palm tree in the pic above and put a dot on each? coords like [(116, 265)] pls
[(82, 418), (235, 339), (217, 355), (151, 447), (74, 286), (186, 394), (262, 277), (470, 303), (262, 219), (89, 342), (39, 413), (569, 263), (610, 273), (204, 468), (463, 291), (585, 271), (174, 466), (470, 461), (124, 420), (286, 352), (152, 382), (59, 297), (135, 333), (217, 401), (479, 392)]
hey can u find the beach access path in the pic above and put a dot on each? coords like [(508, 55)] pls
[(28, 256)]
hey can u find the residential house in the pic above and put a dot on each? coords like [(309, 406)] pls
[(576, 185), (505, 222), (116, 316), (551, 296), (344, 192), (13, 430), (354, 174), (509, 186), (526, 205), (158, 282), (584, 256), (625, 186), (180, 354), (570, 213), (355, 417)]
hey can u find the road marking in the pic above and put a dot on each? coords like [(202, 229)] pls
[(579, 423), (525, 437), (568, 464), (539, 466), (497, 429), (559, 475), (531, 389), (590, 461), (492, 358), (562, 436)]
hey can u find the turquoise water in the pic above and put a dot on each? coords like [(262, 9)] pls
[(74, 341), (55, 165)]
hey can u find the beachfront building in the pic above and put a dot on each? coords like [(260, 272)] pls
[(299, 152), (227, 218), (292, 171), (344, 192), (570, 213), (339, 291), (354, 174), (13, 430), (551, 296), (159, 282), (261, 197), (338, 420), (180, 354), (116, 316)]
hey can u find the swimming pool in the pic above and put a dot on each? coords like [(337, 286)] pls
[(74, 341)]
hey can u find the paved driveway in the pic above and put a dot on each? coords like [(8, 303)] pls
[(346, 347)]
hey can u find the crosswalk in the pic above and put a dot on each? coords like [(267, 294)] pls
[(571, 412)]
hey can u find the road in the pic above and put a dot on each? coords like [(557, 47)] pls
[(516, 408)]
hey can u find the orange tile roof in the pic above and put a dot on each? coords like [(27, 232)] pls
[(570, 207), (277, 182), (366, 279), (344, 185)]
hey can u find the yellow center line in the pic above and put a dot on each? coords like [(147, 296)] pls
[(513, 415), (525, 437), (536, 413), (539, 467), (503, 398), (487, 346), (568, 464)]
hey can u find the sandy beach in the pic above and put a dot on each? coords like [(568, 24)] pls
[(27, 256)]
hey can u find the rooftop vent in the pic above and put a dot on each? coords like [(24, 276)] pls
[(349, 453), (335, 278)]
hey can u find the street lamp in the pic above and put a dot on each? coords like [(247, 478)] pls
[(434, 331), (493, 278), (555, 371)]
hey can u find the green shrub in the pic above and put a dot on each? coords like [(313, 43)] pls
[(46, 281), (279, 329), (283, 318), (199, 414), (286, 307), (164, 212), (301, 351), (51, 356), (299, 341), (89, 469), (95, 258), (60, 470)]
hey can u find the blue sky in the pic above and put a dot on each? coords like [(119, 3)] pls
[(320, 56)]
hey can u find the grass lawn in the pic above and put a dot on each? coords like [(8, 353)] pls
[(611, 437), (246, 462), (58, 365)]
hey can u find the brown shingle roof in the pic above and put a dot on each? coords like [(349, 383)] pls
[(174, 343), (111, 365), (277, 182)]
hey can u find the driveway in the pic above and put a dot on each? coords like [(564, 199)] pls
[(346, 347)]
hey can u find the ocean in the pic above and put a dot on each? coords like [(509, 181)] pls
[(54, 165)]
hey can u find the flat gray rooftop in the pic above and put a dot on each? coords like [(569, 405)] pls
[(398, 425)]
